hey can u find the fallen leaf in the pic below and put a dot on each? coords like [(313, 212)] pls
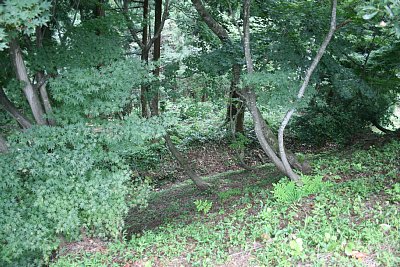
[(358, 255)]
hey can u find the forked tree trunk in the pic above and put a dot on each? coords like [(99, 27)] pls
[(185, 165), (40, 33), (265, 136), (22, 75), (23, 121), (3, 145)]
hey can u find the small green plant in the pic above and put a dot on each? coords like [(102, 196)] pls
[(229, 193), (287, 191), (239, 142), (394, 193), (203, 205)]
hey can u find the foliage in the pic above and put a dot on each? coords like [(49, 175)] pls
[(203, 205), (384, 11), (288, 191), (86, 92), (54, 189), (349, 223), (60, 181), (21, 16)]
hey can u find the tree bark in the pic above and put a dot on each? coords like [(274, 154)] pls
[(301, 92), (156, 57), (22, 75), (185, 165), (3, 145), (23, 121), (235, 109), (40, 77)]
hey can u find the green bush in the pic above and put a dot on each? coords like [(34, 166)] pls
[(57, 183)]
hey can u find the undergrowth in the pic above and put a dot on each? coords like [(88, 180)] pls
[(347, 214)]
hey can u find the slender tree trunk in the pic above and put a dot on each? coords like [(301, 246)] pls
[(40, 32), (144, 89), (156, 57), (185, 165), (13, 111), (22, 75), (3, 145), (302, 90), (259, 124), (235, 109)]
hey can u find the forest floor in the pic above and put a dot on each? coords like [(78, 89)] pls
[(248, 218)]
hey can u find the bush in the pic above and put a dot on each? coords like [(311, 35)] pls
[(57, 182)]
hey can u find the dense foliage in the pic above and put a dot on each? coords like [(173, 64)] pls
[(89, 91)]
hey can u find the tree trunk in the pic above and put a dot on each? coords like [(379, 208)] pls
[(40, 32), (22, 75), (13, 111), (259, 124), (185, 165), (235, 110), (156, 56), (302, 90), (3, 145)]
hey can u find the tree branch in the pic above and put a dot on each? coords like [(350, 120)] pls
[(215, 27)]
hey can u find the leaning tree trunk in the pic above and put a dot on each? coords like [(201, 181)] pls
[(302, 90), (3, 145), (22, 75), (13, 111), (185, 165), (268, 141)]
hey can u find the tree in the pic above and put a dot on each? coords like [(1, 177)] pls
[(23, 18), (264, 134)]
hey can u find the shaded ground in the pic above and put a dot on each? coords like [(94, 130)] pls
[(176, 203)]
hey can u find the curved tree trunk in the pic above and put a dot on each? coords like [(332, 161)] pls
[(185, 165), (22, 75), (13, 111), (266, 138), (302, 90)]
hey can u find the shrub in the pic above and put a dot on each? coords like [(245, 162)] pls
[(57, 182)]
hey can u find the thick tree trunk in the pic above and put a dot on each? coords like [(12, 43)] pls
[(185, 165), (3, 145), (13, 111), (22, 75)]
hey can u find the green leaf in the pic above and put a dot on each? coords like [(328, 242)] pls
[(370, 15)]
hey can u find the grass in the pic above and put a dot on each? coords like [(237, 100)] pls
[(350, 219)]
